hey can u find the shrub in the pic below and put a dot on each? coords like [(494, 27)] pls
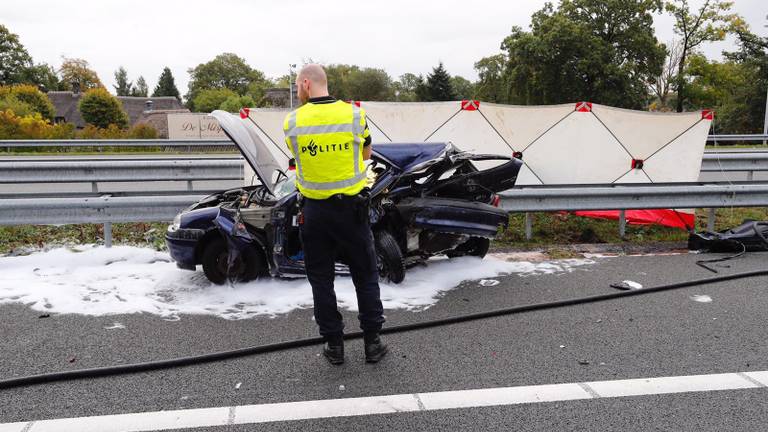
[(92, 132), (10, 102), (142, 131), (32, 126), (101, 109), (31, 96)]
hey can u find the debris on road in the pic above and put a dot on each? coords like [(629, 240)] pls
[(701, 298), (116, 325), (583, 362), (489, 282), (627, 285)]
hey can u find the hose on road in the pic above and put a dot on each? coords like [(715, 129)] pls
[(282, 346)]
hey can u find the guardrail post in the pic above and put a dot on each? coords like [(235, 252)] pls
[(622, 223), (750, 175), (711, 219), (189, 185), (94, 187), (528, 226), (108, 234)]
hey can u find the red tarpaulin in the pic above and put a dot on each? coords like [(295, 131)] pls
[(664, 217)]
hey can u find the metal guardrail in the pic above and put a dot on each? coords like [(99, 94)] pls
[(108, 210), (105, 170), (93, 209), (632, 197), (104, 210), (738, 138), (166, 204)]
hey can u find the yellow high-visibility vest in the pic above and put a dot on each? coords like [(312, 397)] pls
[(327, 142)]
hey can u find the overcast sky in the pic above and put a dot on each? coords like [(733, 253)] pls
[(398, 36)]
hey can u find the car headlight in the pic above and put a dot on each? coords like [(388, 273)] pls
[(176, 222)]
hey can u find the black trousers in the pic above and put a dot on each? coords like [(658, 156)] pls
[(332, 228)]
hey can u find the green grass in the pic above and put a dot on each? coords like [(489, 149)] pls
[(565, 228), (31, 237), (550, 231)]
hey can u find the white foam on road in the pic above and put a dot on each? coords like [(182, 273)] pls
[(396, 404), (701, 298), (94, 280)]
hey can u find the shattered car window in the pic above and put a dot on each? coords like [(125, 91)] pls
[(285, 185)]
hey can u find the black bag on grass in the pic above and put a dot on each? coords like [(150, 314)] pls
[(750, 236)]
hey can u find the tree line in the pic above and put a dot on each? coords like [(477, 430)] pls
[(603, 51)]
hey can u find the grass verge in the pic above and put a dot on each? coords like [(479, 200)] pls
[(550, 232)]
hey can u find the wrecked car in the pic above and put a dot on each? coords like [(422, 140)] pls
[(426, 199)]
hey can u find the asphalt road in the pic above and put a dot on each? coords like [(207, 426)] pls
[(657, 335)]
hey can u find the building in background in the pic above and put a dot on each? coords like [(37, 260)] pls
[(67, 102), (281, 98)]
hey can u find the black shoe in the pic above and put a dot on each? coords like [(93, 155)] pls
[(334, 353), (375, 351)]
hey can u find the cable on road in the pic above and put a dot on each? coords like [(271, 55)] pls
[(282, 346)]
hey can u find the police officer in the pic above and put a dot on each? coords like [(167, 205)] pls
[(329, 140)]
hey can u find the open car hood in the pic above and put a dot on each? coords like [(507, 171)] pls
[(254, 150)]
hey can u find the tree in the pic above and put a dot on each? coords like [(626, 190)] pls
[(14, 58), (370, 84), (44, 76), (123, 87), (711, 23), (602, 51), (166, 85), (661, 86), (753, 57), (101, 109), (491, 85), (439, 85), (225, 71), (405, 87), (141, 88), (462, 88), (338, 80), (234, 103), (75, 71), (208, 100)]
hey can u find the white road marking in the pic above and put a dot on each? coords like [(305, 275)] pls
[(13, 427), (388, 404)]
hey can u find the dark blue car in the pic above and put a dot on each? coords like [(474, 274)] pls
[(426, 199)]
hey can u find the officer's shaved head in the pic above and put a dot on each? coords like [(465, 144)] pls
[(314, 73), (311, 82)]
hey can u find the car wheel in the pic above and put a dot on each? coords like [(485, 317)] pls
[(475, 246), (248, 266), (390, 258)]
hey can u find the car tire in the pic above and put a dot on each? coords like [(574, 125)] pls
[(475, 246), (389, 257), (248, 266)]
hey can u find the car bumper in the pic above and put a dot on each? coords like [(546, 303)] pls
[(182, 243)]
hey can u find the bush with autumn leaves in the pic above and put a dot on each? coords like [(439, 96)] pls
[(27, 113)]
